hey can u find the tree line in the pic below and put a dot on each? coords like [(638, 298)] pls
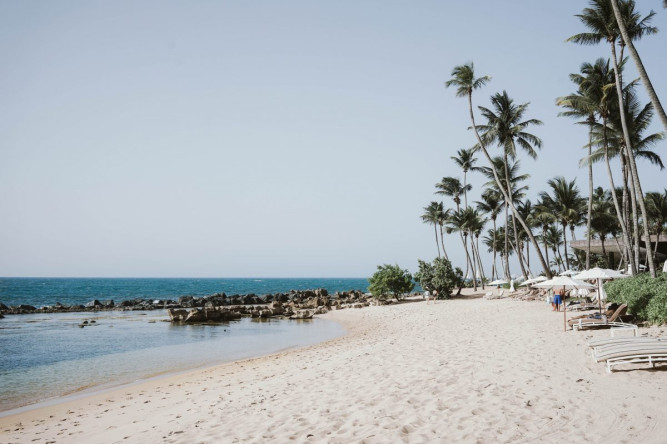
[(617, 123)]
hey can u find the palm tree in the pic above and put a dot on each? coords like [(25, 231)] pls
[(601, 21), (657, 210), (517, 193), (553, 237), (582, 104), (442, 217), (597, 80), (431, 216), (627, 40), (463, 78), (452, 187), (491, 205), (566, 204), (460, 222), (506, 127), (603, 220), (465, 159)]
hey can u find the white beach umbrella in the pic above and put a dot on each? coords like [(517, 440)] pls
[(600, 274), (566, 283), (568, 273), (664, 267), (498, 282), (533, 281)]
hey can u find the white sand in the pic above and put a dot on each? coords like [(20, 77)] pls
[(463, 370)]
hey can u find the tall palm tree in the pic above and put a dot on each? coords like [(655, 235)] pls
[(465, 159), (463, 78), (597, 80), (505, 126), (582, 104), (460, 221), (603, 221), (431, 216), (566, 203), (627, 40), (553, 237), (452, 187), (442, 219), (657, 211), (600, 19), (512, 181), (491, 205)]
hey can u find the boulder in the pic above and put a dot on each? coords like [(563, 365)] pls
[(177, 315), (302, 314), (25, 307), (186, 301), (195, 315)]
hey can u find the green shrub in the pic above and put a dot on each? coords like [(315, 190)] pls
[(646, 297), (390, 279), (438, 276)]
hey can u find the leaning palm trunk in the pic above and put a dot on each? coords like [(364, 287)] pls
[(619, 214), (633, 165), (442, 240), (590, 199), (635, 224), (640, 66), (435, 228), (472, 260), (514, 214), (545, 267), (567, 259), (506, 246), (480, 269)]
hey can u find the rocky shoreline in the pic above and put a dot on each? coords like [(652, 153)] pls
[(296, 304)]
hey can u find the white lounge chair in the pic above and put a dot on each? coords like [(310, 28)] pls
[(629, 353), (603, 322)]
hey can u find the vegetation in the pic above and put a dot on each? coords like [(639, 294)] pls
[(646, 297), (390, 280), (618, 213), (438, 276)]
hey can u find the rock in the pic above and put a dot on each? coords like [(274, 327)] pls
[(3, 306), (302, 314), (195, 315), (186, 301), (108, 304), (177, 315), (25, 307), (94, 303)]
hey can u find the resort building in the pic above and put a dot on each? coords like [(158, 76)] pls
[(611, 248)]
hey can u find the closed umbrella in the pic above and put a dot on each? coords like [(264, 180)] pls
[(566, 283)]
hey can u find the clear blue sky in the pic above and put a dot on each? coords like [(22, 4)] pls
[(263, 138)]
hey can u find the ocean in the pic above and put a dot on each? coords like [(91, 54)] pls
[(44, 357)]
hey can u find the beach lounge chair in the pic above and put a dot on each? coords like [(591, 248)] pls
[(602, 346), (603, 321), (632, 353)]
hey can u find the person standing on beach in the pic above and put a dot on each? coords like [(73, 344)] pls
[(557, 300), (427, 296)]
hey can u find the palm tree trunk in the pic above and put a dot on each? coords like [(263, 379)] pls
[(435, 228), (544, 240), (567, 259), (494, 271), (619, 215), (479, 261), (507, 249), (640, 66), (635, 223), (547, 270), (472, 260), (442, 240), (590, 198), (633, 165)]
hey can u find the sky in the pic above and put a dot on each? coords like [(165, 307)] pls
[(263, 138)]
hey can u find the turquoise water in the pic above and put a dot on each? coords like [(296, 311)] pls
[(69, 291), (46, 356)]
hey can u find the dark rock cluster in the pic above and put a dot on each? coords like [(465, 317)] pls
[(218, 307)]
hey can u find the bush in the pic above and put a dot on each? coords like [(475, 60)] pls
[(390, 279), (438, 276), (646, 297)]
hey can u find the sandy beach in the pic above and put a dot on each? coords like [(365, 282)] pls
[(462, 370)]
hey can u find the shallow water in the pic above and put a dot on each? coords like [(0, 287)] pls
[(43, 356)]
